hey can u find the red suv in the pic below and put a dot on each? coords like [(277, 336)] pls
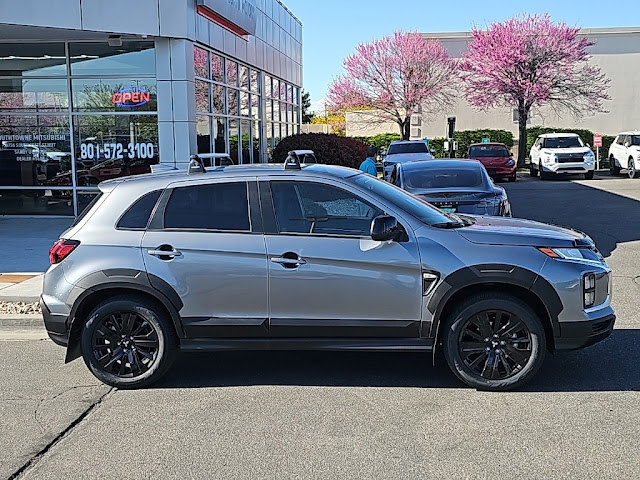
[(496, 158)]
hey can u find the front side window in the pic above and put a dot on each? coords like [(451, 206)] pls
[(635, 139), (315, 208), (216, 206)]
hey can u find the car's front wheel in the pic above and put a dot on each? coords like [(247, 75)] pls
[(128, 342), (614, 168), (494, 341), (589, 175)]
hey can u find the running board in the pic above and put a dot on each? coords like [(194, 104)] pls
[(357, 344)]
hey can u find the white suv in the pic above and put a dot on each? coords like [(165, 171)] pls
[(554, 153), (624, 152)]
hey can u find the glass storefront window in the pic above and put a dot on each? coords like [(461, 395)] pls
[(110, 146), (245, 132), (245, 106), (276, 88), (33, 95), (219, 129), (254, 81), (202, 96), (232, 73), (218, 98), (255, 139), (32, 59), (119, 95), (217, 68), (200, 62), (233, 140), (36, 202), (243, 76), (203, 131), (232, 101), (267, 85), (132, 58), (34, 149)]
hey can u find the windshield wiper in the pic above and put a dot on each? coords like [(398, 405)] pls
[(450, 225)]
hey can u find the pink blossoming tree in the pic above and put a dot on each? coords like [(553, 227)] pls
[(397, 76), (527, 62)]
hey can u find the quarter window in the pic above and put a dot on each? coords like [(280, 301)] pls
[(217, 206), (138, 214), (305, 207)]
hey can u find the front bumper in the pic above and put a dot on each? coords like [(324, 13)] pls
[(573, 167), (56, 325), (575, 335), (501, 171)]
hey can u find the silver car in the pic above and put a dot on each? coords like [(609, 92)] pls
[(317, 257)]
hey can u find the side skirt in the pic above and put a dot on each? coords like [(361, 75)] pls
[(353, 344)]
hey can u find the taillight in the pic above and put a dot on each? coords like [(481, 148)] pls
[(61, 249)]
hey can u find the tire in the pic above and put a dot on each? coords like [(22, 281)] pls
[(631, 169), (614, 168), (474, 322), (589, 175), (513, 178), (543, 175), (106, 326), (532, 171)]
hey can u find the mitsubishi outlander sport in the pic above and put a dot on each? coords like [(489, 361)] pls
[(314, 257)]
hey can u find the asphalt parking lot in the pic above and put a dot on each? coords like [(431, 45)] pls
[(349, 415)]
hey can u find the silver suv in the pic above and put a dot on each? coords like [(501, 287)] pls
[(317, 257)]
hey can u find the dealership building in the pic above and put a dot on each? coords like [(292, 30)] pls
[(93, 89), (616, 51)]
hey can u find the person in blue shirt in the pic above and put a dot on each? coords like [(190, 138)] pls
[(369, 164)]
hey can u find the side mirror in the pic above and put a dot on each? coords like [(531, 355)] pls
[(588, 146), (383, 153), (385, 227), (510, 153)]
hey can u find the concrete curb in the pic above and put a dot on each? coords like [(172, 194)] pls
[(21, 321), (20, 298)]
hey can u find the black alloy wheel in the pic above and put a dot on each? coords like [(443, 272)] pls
[(128, 341), (125, 344), (495, 344), (631, 169), (614, 169), (494, 341)]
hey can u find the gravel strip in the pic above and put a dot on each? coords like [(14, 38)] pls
[(19, 308)]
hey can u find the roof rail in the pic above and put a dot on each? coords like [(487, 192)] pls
[(292, 162), (218, 160), (196, 165)]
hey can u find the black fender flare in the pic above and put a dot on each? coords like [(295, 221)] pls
[(494, 274), (129, 279)]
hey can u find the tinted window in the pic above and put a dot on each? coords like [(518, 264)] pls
[(484, 151), (138, 214), (443, 178), (218, 206), (635, 139), (562, 142), (417, 147), (32, 59), (303, 207), (130, 58), (620, 139), (411, 204)]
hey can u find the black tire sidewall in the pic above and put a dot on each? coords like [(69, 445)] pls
[(153, 314), (481, 303)]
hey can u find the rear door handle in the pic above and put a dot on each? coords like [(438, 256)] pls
[(289, 260)]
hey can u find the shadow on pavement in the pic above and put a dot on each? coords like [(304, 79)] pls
[(606, 217), (611, 365)]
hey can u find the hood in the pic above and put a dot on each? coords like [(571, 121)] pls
[(407, 157), (516, 231), (568, 151)]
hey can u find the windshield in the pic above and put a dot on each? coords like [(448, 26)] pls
[(420, 209), (562, 142), (484, 151), (416, 147), (439, 178)]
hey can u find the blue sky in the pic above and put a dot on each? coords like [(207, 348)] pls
[(333, 28)]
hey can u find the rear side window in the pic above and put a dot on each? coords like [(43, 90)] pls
[(217, 206), (138, 214)]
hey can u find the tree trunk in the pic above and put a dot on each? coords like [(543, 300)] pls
[(523, 115), (405, 128)]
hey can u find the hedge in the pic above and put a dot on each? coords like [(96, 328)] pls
[(328, 148)]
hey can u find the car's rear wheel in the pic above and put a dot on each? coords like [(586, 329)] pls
[(589, 175), (614, 168), (128, 342), (532, 170), (494, 341), (631, 169)]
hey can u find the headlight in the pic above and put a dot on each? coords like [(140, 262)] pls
[(589, 289), (589, 157), (510, 162), (549, 158), (579, 254)]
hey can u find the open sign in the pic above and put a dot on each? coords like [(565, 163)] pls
[(131, 97)]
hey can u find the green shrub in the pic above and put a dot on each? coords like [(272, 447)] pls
[(328, 148)]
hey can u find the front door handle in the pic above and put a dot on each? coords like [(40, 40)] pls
[(165, 252), (289, 260)]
